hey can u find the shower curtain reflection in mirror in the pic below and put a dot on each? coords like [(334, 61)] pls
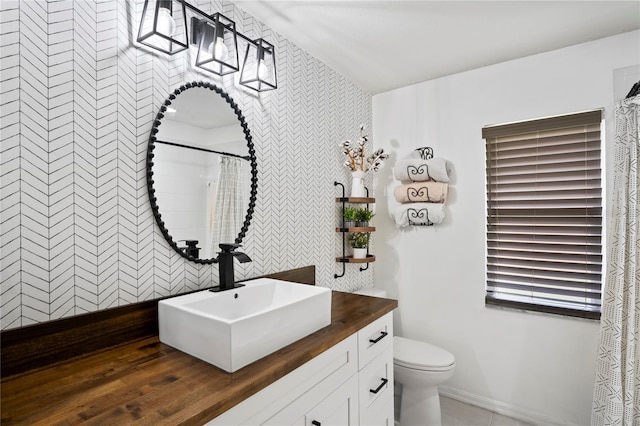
[(212, 188), (226, 206)]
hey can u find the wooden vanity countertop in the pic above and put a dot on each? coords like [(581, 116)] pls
[(147, 382)]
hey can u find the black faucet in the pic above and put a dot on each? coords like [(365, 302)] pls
[(225, 266)]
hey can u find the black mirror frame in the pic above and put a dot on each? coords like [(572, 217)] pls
[(252, 160)]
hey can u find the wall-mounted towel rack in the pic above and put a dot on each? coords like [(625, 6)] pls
[(423, 188)]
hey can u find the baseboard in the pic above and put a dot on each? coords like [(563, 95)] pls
[(503, 408)]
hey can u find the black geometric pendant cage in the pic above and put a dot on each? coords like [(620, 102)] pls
[(164, 27), (218, 44), (259, 66)]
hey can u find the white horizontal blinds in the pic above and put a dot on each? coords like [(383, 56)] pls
[(544, 214)]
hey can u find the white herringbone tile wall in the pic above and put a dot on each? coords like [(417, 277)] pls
[(78, 96)]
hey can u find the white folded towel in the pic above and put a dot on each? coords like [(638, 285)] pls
[(418, 214), (413, 169), (421, 192)]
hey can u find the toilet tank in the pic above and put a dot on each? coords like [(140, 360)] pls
[(375, 292)]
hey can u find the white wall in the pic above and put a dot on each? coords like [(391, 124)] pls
[(537, 367), (79, 97)]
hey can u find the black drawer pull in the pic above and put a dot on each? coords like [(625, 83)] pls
[(384, 382), (382, 335), (316, 423)]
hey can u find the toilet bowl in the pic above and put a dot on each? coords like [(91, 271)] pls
[(419, 367)]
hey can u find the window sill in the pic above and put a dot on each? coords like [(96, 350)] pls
[(555, 310)]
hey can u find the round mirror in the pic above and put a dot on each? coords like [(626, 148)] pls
[(201, 171)]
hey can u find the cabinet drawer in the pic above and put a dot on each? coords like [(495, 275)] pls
[(376, 381), (374, 339)]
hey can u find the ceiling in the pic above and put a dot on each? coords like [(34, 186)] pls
[(202, 108), (383, 45)]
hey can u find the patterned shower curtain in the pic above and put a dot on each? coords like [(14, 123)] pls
[(616, 397), (229, 207)]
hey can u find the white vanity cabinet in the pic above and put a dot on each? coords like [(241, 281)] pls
[(350, 383)]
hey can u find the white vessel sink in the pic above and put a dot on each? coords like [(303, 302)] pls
[(233, 328)]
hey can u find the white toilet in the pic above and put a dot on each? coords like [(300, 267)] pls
[(419, 367)]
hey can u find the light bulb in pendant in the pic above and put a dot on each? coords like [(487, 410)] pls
[(166, 24), (263, 70), (219, 50)]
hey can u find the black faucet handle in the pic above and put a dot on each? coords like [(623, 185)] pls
[(228, 247)]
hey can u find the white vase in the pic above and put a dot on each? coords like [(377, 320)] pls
[(357, 184), (360, 253)]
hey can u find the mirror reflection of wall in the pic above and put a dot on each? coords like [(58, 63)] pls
[(202, 196), (182, 179)]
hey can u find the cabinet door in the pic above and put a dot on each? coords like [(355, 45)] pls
[(340, 408), (380, 414), (287, 400)]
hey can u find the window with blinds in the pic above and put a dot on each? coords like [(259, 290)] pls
[(544, 214)]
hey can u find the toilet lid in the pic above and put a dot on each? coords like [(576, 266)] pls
[(420, 355)]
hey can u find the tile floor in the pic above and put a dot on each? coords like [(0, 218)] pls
[(456, 413)]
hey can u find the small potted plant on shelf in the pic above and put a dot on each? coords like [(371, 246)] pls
[(363, 216), (350, 215), (360, 243)]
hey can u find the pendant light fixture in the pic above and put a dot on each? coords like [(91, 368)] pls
[(163, 26), (259, 66), (217, 45)]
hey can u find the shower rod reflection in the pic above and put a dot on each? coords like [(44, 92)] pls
[(228, 154)]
